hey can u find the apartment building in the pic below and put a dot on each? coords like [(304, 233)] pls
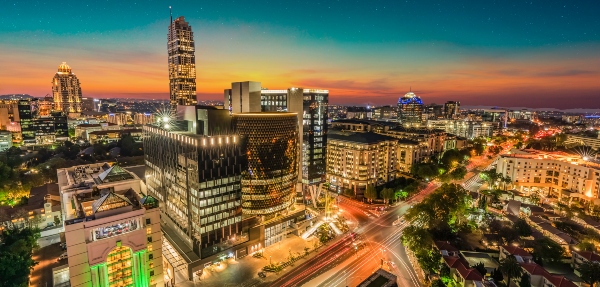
[(555, 174), (355, 160)]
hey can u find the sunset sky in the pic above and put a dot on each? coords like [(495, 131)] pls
[(505, 53)]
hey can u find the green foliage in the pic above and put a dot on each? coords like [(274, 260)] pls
[(370, 193), (447, 204), (497, 275), (590, 272), (129, 147), (522, 228), (16, 256), (388, 194), (416, 238), (429, 260), (511, 268), (525, 280), (480, 268), (586, 246), (437, 283), (548, 250), (425, 170), (519, 145), (349, 192), (458, 173), (445, 271)]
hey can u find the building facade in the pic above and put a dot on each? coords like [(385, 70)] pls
[(5, 140), (311, 107), (451, 109), (552, 174), (41, 130), (355, 160), (112, 229), (66, 90), (182, 64), (410, 110), (268, 185)]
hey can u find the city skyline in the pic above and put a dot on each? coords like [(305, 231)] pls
[(368, 53)]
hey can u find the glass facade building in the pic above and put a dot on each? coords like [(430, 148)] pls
[(197, 179), (410, 110), (41, 130), (268, 183), (182, 64), (66, 90)]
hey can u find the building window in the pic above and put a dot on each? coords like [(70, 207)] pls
[(151, 272), (149, 239), (147, 220), (150, 256)]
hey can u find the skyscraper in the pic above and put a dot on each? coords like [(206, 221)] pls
[(66, 90), (182, 64), (410, 110)]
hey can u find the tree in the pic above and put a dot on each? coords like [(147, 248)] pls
[(497, 275), (525, 280), (534, 197), (429, 260), (16, 256), (511, 268), (586, 246), (370, 193), (519, 145), (480, 267), (522, 228), (388, 194), (482, 204), (458, 173), (349, 192), (590, 272), (414, 238), (548, 250), (437, 283)]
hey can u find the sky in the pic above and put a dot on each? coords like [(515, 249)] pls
[(539, 54)]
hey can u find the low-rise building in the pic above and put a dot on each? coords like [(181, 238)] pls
[(580, 257), (83, 131), (578, 140), (519, 253), (109, 136), (380, 278), (539, 277), (112, 229), (43, 210), (553, 174)]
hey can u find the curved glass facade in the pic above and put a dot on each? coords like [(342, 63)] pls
[(268, 185)]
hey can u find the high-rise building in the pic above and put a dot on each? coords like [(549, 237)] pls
[(451, 109), (410, 110), (268, 184), (112, 229), (311, 107), (66, 90), (36, 129), (433, 111), (182, 64)]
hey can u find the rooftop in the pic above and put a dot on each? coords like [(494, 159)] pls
[(365, 138), (380, 278)]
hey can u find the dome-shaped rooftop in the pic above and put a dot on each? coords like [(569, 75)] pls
[(64, 68), (409, 95)]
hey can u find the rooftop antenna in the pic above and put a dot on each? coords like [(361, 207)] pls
[(171, 13)]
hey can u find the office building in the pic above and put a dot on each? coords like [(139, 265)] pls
[(112, 227), (410, 110), (41, 130), (433, 111), (66, 90), (268, 184), (182, 64), (225, 183), (451, 109), (88, 104), (554, 174), (9, 113), (311, 107), (359, 113), (5, 140), (465, 128), (143, 118), (385, 113)]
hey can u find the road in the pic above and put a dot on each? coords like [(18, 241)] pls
[(345, 263)]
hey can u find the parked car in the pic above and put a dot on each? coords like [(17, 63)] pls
[(262, 274)]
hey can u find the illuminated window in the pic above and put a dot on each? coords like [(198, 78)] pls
[(119, 267)]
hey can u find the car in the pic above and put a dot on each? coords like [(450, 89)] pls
[(262, 274), (63, 256)]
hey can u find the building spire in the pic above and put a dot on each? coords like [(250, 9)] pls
[(171, 14)]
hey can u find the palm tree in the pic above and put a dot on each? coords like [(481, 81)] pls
[(511, 268)]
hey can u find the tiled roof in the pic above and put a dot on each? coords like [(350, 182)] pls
[(557, 280), (444, 245), (589, 256), (514, 250)]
